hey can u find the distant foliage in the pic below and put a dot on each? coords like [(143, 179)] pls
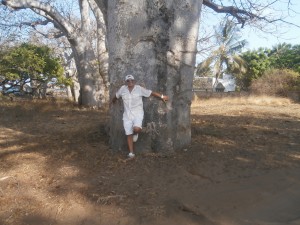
[(276, 82), (32, 64), (257, 63), (35, 62), (225, 57), (286, 56)]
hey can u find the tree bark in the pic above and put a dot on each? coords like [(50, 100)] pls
[(102, 53), (156, 42)]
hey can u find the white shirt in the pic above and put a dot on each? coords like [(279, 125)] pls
[(133, 101)]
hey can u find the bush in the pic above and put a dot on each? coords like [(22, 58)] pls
[(276, 82)]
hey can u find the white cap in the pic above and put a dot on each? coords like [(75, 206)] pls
[(129, 77)]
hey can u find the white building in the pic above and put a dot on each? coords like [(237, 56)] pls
[(209, 83), (228, 82)]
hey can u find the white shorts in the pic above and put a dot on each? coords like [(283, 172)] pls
[(128, 123)]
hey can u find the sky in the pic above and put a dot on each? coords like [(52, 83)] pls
[(256, 38), (284, 33), (289, 34)]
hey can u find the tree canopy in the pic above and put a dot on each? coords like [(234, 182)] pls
[(257, 62), (27, 63), (286, 56), (225, 57), (282, 56)]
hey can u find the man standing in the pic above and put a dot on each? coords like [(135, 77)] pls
[(132, 96)]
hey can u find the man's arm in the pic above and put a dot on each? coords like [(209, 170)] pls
[(115, 98), (161, 96)]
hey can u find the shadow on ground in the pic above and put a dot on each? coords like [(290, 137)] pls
[(56, 168)]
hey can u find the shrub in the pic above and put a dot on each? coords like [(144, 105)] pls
[(276, 82)]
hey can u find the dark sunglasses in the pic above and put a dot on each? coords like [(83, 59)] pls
[(129, 81)]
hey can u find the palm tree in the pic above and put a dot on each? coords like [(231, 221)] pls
[(225, 58)]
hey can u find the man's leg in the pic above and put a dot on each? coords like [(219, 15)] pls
[(137, 126), (136, 130), (130, 143), (133, 127), (128, 126)]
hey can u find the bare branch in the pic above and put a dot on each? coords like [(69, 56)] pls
[(43, 9), (103, 5), (33, 24), (244, 14), (49, 34)]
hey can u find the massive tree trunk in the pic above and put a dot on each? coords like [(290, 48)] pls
[(155, 40)]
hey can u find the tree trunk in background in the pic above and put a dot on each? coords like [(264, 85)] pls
[(101, 51), (86, 61), (93, 86), (155, 40), (86, 73), (91, 83)]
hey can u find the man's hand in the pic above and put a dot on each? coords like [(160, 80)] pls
[(161, 96), (164, 98)]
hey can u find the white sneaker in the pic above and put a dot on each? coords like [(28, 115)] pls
[(135, 137), (131, 155)]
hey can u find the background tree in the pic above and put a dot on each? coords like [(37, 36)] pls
[(204, 70), (225, 57), (93, 85), (285, 56), (30, 64), (257, 63)]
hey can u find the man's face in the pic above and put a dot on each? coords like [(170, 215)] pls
[(130, 82)]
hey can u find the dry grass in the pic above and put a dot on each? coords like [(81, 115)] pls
[(262, 100), (37, 105)]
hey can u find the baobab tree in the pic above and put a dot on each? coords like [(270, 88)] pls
[(156, 41)]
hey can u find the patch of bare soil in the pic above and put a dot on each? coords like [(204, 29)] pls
[(242, 168)]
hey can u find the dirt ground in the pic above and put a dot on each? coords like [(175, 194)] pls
[(242, 168)]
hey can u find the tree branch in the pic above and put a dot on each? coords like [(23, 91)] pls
[(103, 5), (244, 14), (36, 23), (44, 10)]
